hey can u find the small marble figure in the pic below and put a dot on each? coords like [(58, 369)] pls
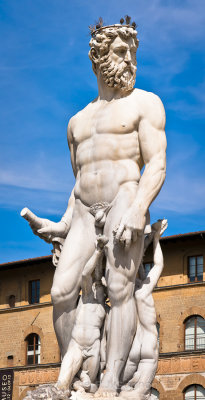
[(84, 347), (144, 352)]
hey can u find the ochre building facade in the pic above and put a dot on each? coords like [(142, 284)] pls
[(29, 349)]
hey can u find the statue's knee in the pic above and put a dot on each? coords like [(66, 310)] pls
[(61, 295), (56, 295)]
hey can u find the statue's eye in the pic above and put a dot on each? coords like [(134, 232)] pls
[(121, 52)]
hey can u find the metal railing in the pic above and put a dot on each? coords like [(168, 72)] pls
[(195, 343)]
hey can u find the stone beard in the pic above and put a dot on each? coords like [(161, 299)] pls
[(120, 77)]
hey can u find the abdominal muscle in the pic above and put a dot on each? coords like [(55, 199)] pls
[(101, 181)]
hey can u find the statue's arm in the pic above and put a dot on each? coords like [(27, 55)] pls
[(87, 281), (44, 228), (155, 272), (67, 216), (71, 144), (152, 142)]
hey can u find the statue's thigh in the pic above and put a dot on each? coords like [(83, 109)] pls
[(126, 263), (149, 348), (93, 361), (77, 249)]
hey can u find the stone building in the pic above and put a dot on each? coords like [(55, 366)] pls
[(29, 351)]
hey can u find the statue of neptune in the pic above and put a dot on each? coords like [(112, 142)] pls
[(110, 141)]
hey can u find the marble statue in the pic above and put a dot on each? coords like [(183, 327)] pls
[(84, 346), (110, 141), (141, 365)]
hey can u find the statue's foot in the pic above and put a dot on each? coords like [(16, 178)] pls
[(126, 388), (93, 388)]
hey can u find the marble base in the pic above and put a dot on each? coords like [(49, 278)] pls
[(50, 392)]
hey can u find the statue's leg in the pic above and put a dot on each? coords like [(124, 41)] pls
[(92, 363), (120, 276), (141, 381), (149, 359), (143, 377), (70, 366), (78, 248), (133, 359)]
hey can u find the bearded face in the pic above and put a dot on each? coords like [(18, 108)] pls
[(118, 66), (119, 77)]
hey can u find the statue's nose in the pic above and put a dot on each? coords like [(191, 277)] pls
[(128, 57)]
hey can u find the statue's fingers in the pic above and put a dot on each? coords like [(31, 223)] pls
[(128, 238), (120, 231), (44, 230)]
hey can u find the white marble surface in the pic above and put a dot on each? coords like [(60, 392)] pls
[(110, 141)]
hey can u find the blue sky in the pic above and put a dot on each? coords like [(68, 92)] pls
[(46, 77)]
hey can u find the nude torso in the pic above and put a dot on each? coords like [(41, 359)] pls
[(106, 148), (89, 319)]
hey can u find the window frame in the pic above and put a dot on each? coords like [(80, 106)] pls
[(37, 352), (188, 268), (195, 332), (195, 387), (30, 299)]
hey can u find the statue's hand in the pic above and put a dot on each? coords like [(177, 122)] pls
[(44, 228), (101, 242), (51, 229), (131, 226)]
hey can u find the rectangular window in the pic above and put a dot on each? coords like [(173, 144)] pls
[(195, 268), (34, 291)]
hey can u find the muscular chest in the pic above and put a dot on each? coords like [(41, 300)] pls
[(115, 118)]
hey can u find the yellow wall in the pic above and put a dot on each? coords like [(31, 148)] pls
[(18, 322), (16, 281), (176, 254)]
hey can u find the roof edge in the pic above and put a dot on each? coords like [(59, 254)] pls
[(49, 257)]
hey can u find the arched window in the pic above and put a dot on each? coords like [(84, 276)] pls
[(154, 394), (33, 349), (195, 333), (194, 392)]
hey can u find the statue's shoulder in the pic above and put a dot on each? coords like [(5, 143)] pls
[(147, 98), (151, 106), (81, 114)]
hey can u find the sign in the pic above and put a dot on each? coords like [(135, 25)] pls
[(6, 384)]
